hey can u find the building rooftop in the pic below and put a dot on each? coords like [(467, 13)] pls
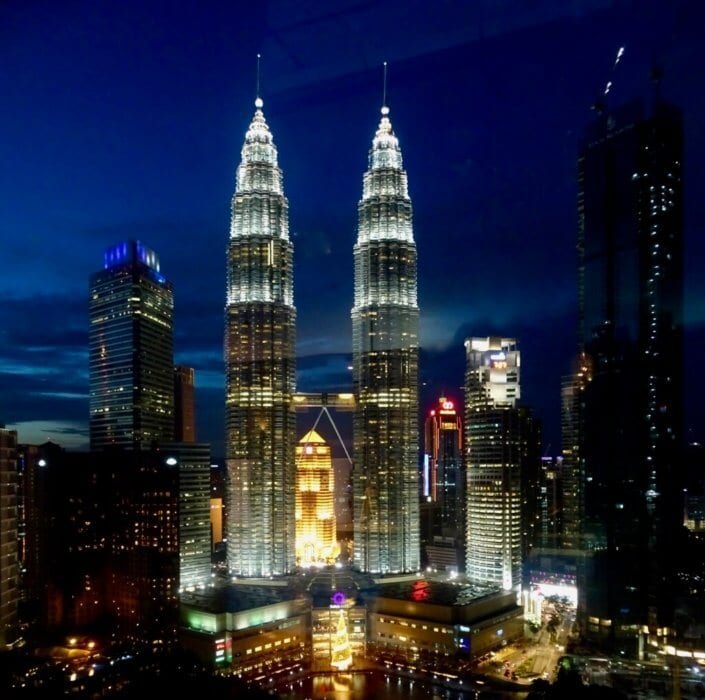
[(434, 592), (236, 597)]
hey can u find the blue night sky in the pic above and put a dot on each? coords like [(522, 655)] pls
[(125, 120)]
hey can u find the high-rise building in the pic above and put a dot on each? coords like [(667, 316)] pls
[(193, 461), (630, 276), (385, 320), (144, 546), (9, 569), (260, 365), (443, 489), (184, 405), (131, 361), (502, 454), (573, 467), (316, 542)]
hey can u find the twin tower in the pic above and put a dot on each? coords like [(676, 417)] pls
[(260, 364)]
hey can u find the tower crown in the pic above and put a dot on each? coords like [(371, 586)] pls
[(385, 151), (259, 168)]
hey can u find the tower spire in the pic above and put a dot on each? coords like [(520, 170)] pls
[(258, 98), (385, 109)]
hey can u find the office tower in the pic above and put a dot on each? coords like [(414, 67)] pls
[(131, 350), (144, 547), (184, 405), (260, 364), (385, 320), (502, 448), (32, 515), (316, 542), (573, 468), (630, 276), (443, 489), (9, 570), (193, 461), (549, 525)]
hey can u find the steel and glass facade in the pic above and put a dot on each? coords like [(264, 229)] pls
[(385, 319), (193, 461), (443, 488), (493, 446), (630, 274), (131, 363), (260, 365)]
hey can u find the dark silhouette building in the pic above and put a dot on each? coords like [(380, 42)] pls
[(630, 243), (184, 405)]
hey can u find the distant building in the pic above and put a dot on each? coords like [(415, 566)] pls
[(131, 364), (573, 467), (502, 446), (443, 489), (385, 321), (184, 405), (193, 461), (9, 570), (550, 521), (630, 279)]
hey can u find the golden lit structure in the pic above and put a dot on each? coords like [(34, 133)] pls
[(341, 656), (315, 514)]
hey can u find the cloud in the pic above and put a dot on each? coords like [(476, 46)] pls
[(68, 434)]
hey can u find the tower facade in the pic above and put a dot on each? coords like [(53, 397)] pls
[(184, 405), (501, 448), (630, 275), (443, 489), (193, 462), (385, 319), (260, 364), (9, 569), (131, 355), (316, 542)]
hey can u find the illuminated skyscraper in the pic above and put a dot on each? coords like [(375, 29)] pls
[(443, 489), (260, 364), (385, 319), (315, 502), (502, 451), (630, 289), (131, 361)]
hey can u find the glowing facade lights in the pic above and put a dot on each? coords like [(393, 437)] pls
[(385, 366), (493, 466), (260, 364), (316, 543)]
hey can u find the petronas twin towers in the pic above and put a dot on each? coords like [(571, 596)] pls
[(260, 366)]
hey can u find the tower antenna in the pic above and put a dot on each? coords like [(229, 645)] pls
[(258, 97), (385, 109)]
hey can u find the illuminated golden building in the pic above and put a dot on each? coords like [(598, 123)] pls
[(315, 509)]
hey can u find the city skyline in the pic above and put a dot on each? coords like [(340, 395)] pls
[(130, 159)]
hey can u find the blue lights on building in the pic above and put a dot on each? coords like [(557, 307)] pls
[(128, 252)]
